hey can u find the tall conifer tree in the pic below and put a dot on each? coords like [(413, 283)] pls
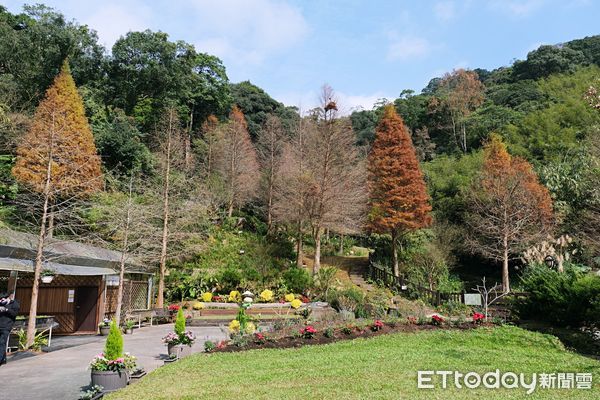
[(56, 158), (398, 200)]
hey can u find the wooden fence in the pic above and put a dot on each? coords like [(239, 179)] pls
[(383, 277)]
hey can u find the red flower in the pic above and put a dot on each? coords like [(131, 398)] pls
[(437, 320), (377, 325), (308, 332), (259, 338), (174, 307), (304, 299), (478, 318)]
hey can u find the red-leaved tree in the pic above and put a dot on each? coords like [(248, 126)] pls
[(510, 209), (398, 200)]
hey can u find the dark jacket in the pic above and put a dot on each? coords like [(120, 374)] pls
[(7, 317)]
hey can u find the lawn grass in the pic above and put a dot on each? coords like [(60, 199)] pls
[(383, 367)]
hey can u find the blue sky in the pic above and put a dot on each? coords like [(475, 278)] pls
[(365, 49)]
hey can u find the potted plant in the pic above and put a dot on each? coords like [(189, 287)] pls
[(129, 324), (110, 368), (179, 343), (104, 327), (47, 276)]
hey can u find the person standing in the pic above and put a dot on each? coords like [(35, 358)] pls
[(8, 313)]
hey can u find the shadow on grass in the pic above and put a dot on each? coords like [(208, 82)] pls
[(574, 339)]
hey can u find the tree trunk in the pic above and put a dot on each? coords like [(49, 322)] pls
[(505, 278), (120, 290), (270, 204), (317, 259), (39, 254), (124, 249), (165, 231), (50, 230), (299, 246), (396, 266), (341, 251), (464, 137), (188, 143), (230, 209)]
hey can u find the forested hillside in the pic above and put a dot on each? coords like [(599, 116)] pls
[(218, 184)]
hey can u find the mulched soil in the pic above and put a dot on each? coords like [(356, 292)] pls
[(338, 335)]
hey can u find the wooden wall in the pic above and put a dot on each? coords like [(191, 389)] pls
[(53, 298)]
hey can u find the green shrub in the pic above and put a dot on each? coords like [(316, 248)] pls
[(40, 340), (209, 346), (180, 323), (565, 299), (297, 280), (229, 280), (323, 281), (454, 308), (113, 347), (377, 303)]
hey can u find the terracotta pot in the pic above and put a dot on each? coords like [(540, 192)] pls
[(179, 350), (110, 380)]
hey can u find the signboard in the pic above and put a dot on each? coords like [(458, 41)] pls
[(112, 280), (71, 297), (472, 299)]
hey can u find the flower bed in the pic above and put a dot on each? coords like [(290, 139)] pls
[(323, 334)]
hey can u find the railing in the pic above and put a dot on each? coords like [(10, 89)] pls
[(385, 278)]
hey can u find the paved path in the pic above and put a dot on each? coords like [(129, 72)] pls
[(63, 373)]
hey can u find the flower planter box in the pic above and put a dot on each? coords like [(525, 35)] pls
[(104, 330), (179, 350), (110, 380)]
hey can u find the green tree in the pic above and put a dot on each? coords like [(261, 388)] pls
[(121, 145), (113, 348), (180, 323), (257, 105), (547, 60), (34, 45)]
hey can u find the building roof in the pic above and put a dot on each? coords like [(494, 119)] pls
[(65, 257)]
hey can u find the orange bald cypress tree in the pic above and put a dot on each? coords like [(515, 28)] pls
[(56, 158), (399, 202), (510, 209)]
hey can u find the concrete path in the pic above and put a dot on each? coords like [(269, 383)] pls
[(62, 374)]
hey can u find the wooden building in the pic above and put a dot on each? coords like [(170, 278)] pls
[(84, 288)]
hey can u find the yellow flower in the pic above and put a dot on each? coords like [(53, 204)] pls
[(235, 296), (198, 305), (250, 328), (234, 326), (266, 295), (296, 303), (207, 297), (289, 297)]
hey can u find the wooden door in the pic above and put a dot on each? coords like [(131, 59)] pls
[(86, 298)]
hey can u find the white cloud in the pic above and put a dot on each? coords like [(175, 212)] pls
[(445, 10), (247, 31), (114, 20), (346, 102), (408, 47), (517, 8)]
